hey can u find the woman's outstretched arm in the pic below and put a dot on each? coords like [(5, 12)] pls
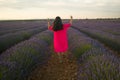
[(71, 19), (48, 23)]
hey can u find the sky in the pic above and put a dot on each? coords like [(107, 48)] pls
[(43, 9)]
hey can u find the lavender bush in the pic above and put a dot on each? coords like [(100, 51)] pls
[(8, 40), (14, 26), (99, 29), (95, 61), (18, 61), (4, 32), (78, 42), (99, 65)]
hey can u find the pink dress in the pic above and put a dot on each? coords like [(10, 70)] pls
[(60, 39)]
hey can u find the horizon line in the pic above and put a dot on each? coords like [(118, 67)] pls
[(54, 18)]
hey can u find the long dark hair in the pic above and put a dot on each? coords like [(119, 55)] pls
[(57, 25)]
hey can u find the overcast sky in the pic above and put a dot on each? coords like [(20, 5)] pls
[(38, 9)]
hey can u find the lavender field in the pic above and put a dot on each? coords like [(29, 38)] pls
[(26, 51)]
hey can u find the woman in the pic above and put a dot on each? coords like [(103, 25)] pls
[(60, 35)]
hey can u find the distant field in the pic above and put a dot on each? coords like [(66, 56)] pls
[(106, 31), (13, 32), (95, 44)]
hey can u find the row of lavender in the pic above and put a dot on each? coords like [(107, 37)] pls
[(22, 32), (95, 61), (109, 26), (78, 42), (10, 39), (17, 62), (108, 32), (14, 26)]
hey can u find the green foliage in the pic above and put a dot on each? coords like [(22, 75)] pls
[(12, 39), (108, 42), (113, 32), (100, 67), (24, 57), (81, 50), (46, 39), (0, 75)]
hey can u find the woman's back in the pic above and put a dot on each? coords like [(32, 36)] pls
[(60, 34), (60, 38)]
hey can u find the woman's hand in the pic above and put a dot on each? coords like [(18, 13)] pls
[(48, 23), (71, 17), (48, 20)]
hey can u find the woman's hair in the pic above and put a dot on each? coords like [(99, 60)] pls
[(57, 24)]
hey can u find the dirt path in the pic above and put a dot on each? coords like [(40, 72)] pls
[(53, 70)]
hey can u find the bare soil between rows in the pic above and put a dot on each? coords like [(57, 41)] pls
[(54, 70)]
